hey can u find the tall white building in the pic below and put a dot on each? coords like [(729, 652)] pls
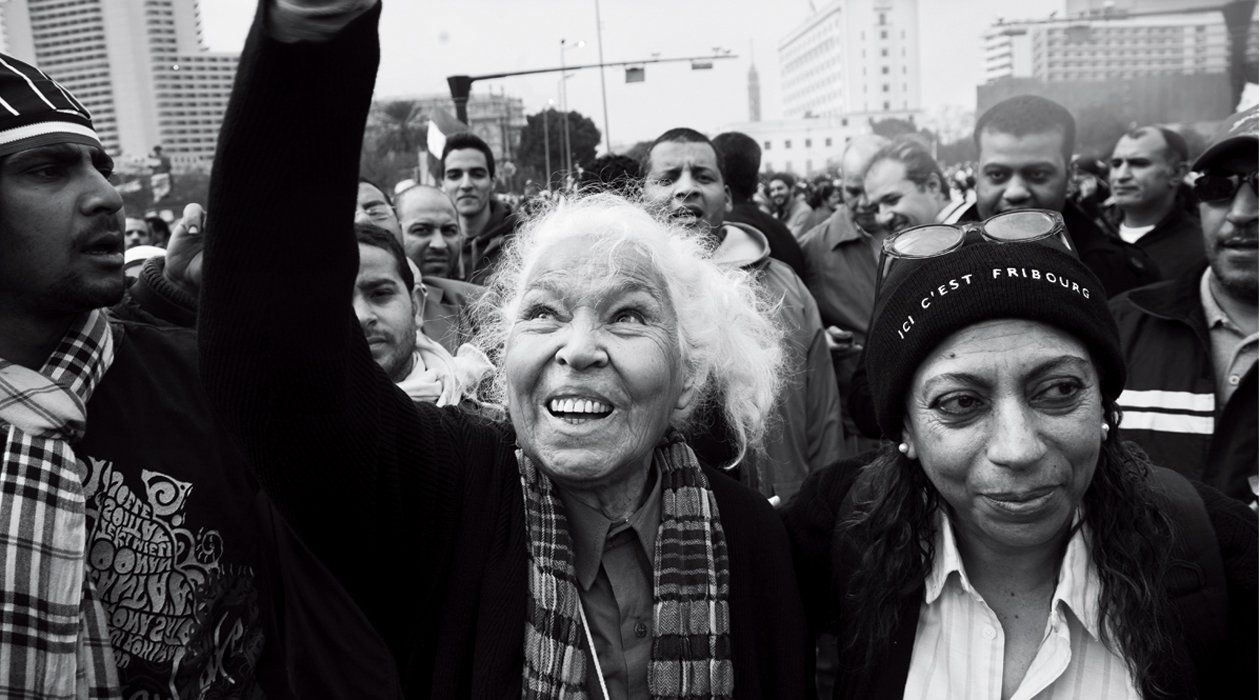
[(1114, 47), (140, 66), (854, 59)]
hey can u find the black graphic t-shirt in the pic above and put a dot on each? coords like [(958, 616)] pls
[(174, 548)]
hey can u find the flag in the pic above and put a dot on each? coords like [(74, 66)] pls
[(441, 125)]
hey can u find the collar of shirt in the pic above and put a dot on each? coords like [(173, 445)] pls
[(841, 229), (590, 529), (1078, 585), (1212, 311)]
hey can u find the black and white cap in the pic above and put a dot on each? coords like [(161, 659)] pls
[(36, 110)]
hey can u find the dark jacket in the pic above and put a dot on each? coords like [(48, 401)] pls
[(1176, 243), (1118, 265), (783, 245), (824, 567), (447, 311), (417, 510), (481, 255), (1164, 337)]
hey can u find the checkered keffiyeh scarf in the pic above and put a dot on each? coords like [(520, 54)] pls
[(691, 646), (54, 638)]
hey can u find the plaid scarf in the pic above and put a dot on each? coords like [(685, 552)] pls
[(54, 638), (691, 646)]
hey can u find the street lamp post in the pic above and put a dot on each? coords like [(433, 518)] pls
[(547, 142), (564, 110)]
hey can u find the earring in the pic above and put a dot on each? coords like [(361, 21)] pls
[(1106, 429), (903, 448)]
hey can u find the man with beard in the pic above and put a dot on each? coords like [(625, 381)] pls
[(1190, 342), (1025, 145), (684, 179), (790, 210)]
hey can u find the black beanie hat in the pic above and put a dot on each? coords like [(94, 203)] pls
[(38, 111), (935, 297)]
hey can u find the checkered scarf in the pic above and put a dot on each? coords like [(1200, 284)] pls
[(691, 646), (54, 639)]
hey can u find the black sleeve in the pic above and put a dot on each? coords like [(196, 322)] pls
[(368, 480)]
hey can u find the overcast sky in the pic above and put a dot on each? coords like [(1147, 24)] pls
[(423, 41)]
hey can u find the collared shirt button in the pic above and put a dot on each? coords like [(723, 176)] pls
[(640, 630), (990, 633)]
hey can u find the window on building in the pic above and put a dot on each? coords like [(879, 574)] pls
[(887, 105), (809, 165), (883, 52), (883, 33), (809, 143), (787, 143), (884, 70), (885, 86), (844, 121), (765, 146), (827, 142), (883, 18)]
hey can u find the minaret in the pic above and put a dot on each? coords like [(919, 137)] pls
[(754, 88)]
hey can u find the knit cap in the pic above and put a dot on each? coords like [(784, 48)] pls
[(935, 297), (36, 110)]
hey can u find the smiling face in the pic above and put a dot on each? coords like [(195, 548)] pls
[(594, 371), (899, 202), (684, 176), (780, 193), (1021, 172), (61, 233), (1005, 418)]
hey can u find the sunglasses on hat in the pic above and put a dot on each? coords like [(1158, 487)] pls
[(1214, 189), (934, 240)]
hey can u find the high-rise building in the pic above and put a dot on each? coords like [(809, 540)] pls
[(1115, 47), (853, 58), (140, 66)]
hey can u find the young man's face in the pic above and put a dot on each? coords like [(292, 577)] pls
[(386, 310), (137, 232), (467, 180), (780, 193), (1021, 172), (684, 177), (61, 233)]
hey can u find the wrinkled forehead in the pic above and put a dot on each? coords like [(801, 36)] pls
[(598, 272)]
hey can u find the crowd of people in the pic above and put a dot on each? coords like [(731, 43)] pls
[(689, 431)]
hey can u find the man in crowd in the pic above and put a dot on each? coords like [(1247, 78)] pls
[(906, 187), (1190, 342), (386, 302), (841, 256), (789, 209), (486, 223), (430, 241), (136, 232), (741, 161), (1025, 147), (1147, 167), (684, 177), (137, 554)]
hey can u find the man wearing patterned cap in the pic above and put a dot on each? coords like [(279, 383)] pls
[(134, 543), (1190, 342)]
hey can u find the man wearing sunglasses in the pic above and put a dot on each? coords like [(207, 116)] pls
[(1190, 342)]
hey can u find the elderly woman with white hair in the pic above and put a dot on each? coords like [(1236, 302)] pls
[(579, 551)]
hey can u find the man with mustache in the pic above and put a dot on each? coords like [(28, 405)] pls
[(684, 179), (136, 551), (1190, 342)]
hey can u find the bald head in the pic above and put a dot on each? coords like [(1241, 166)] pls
[(430, 227), (853, 163)]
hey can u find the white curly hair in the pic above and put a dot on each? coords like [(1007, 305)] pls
[(731, 348)]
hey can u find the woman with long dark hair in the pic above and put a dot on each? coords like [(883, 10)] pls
[(1010, 544)]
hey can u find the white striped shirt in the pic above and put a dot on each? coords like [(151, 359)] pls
[(959, 642)]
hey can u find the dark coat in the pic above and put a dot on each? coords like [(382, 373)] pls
[(417, 510)]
